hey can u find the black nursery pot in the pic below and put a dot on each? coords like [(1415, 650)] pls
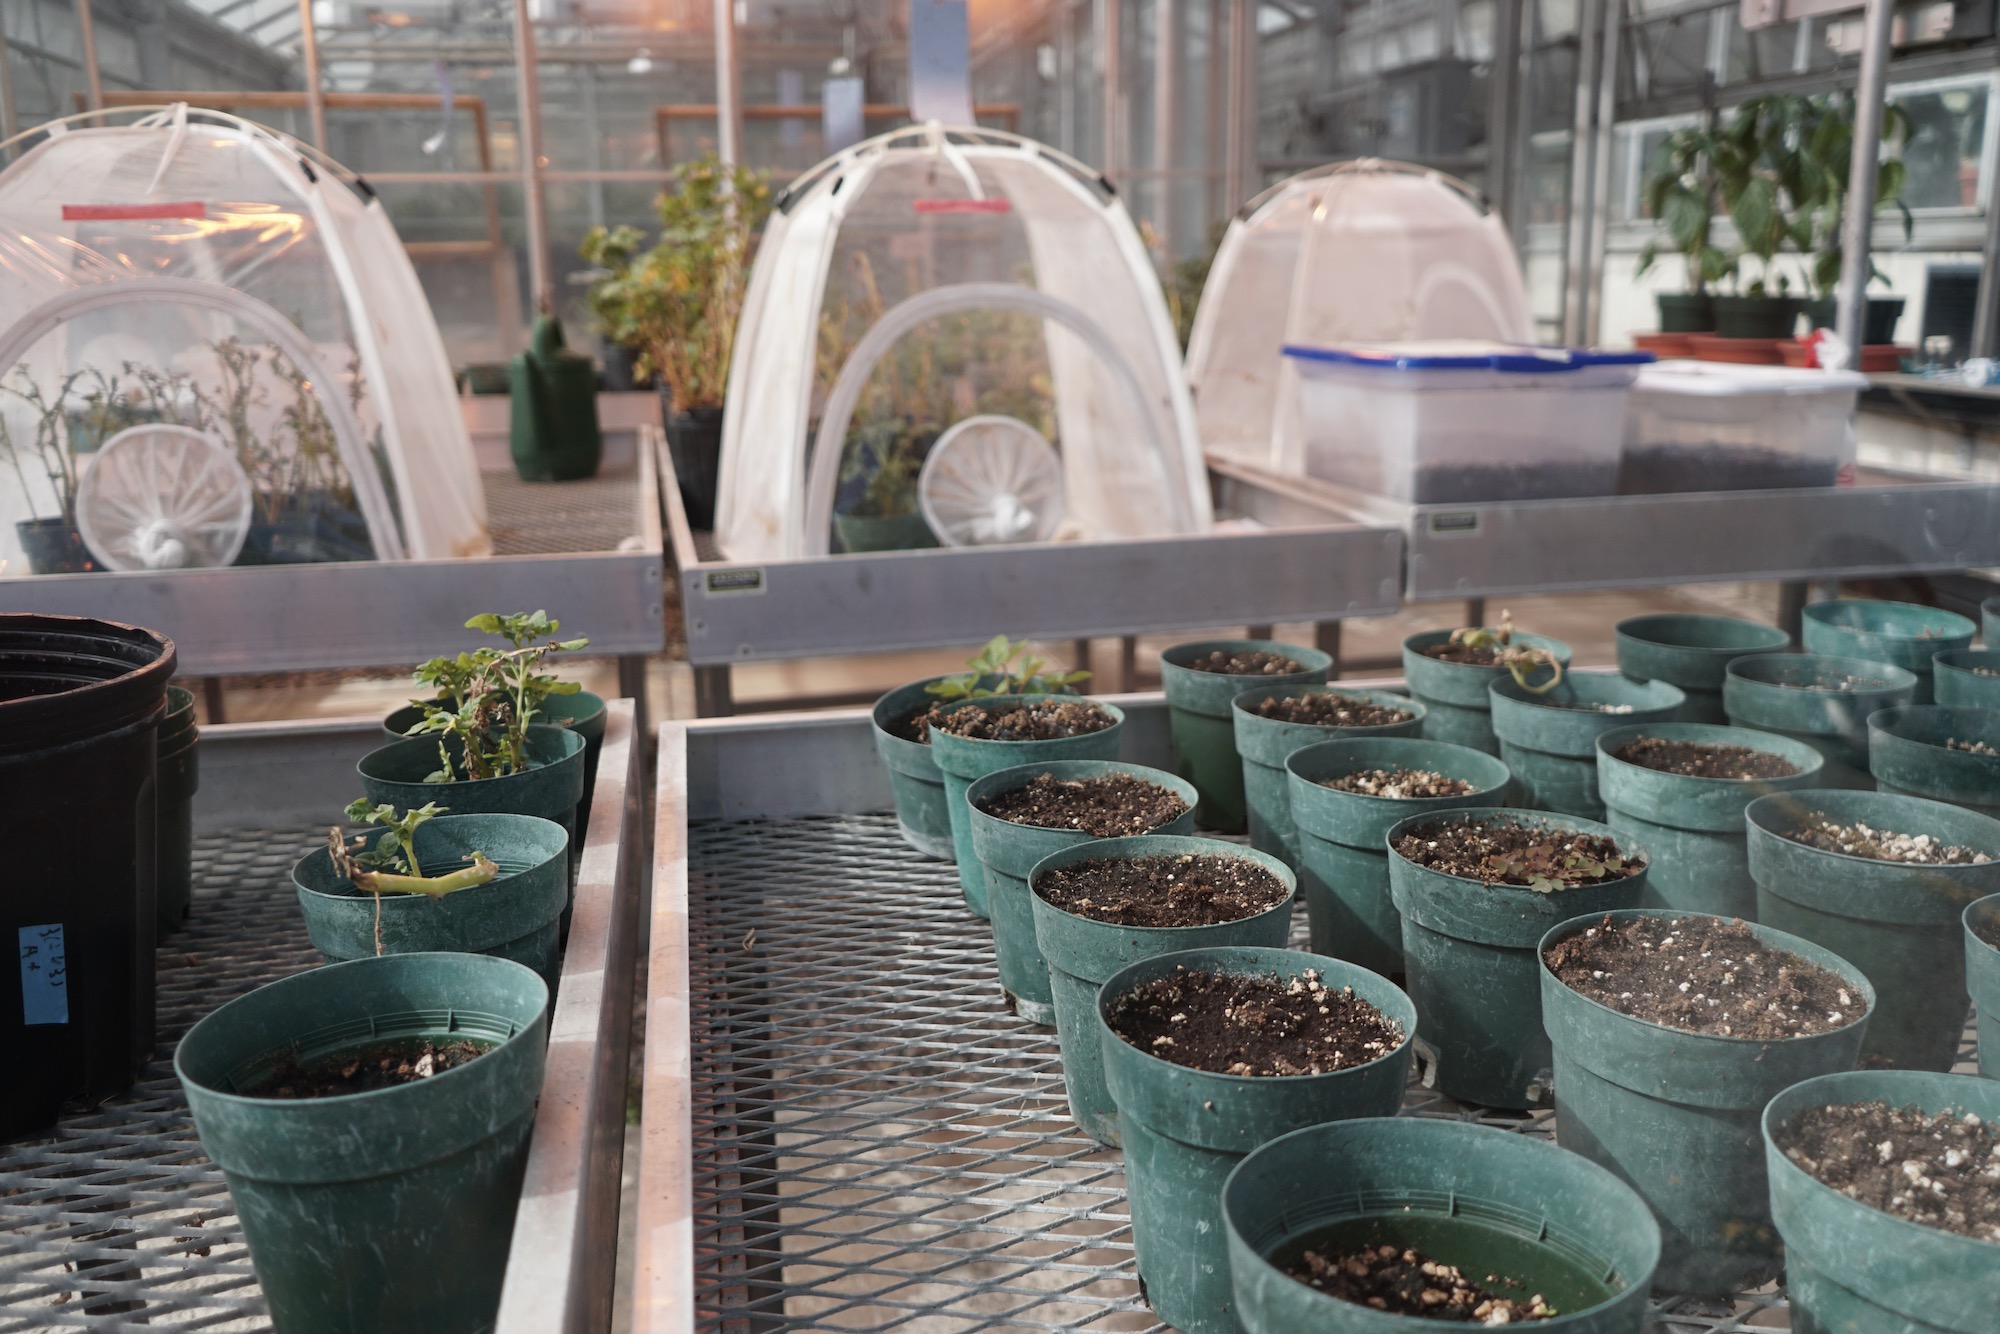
[(694, 441), (1686, 312), (53, 547)]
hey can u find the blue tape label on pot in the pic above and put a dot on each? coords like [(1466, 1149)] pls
[(735, 581), (44, 975)]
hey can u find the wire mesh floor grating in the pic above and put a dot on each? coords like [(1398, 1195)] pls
[(117, 1217), (878, 1142)]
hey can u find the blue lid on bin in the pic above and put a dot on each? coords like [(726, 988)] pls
[(1510, 358)]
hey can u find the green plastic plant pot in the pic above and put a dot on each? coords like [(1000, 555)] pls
[(1982, 978), (1549, 741), (1082, 953), (1902, 634), (1989, 622), (512, 916), (390, 1210), (961, 761), (1469, 961), (1009, 851), (914, 778), (177, 777), (1901, 925), (550, 789), (1767, 692), (1454, 693), (1185, 1130), (1264, 744), (1853, 1269), (1908, 754), (582, 713), (1958, 680), (1487, 1200), (1692, 652), (1343, 860), (1204, 728), (1694, 826), (1676, 1114)]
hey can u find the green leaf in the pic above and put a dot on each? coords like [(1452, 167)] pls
[(486, 622)]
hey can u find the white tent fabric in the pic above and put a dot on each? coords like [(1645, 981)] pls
[(209, 262), (910, 232), (1352, 253)]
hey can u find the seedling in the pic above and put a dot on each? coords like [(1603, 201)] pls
[(1521, 661), (391, 866), (486, 698), (1031, 676)]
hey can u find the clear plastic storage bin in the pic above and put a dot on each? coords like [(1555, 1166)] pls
[(1449, 422), (1706, 426)]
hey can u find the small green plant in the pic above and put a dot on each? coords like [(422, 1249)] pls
[(1547, 869), (1521, 660), (1682, 193), (485, 699), (1030, 675), (391, 866), (396, 849)]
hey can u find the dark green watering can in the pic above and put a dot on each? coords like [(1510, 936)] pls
[(554, 434)]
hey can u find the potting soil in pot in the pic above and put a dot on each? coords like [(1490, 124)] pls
[(1255, 662), (1476, 655), (1036, 720), (1329, 709), (1860, 840), (1184, 890), (1546, 859), (1399, 784), (1938, 1170), (1230, 1024), (1405, 1281), (1112, 805), (378, 1065), (1702, 975), (1699, 759)]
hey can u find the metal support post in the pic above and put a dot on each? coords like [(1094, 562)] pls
[(87, 33), (1576, 277), (1239, 134), (315, 92), (1166, 114), (527, 67), (1858, 226), (7, 127), (1986, 310), (1600, 176), (1502, 123), (1110, 59), (728, 87), (1326, 638)]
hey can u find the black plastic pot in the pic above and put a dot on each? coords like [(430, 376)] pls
[(390, 1210), (80, 706), (694, 441), (53, 546), (179, 775), (876, 532), (1490, 1201), (1185, 1130), (1685, 312), (1470, 961), (1755, 316), (313, 529), (1676, 1114), (1899, 924), (1878, 326), (1853, 1269)]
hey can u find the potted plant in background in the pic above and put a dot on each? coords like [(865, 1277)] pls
[(50, 541), (678, 302), (1682, 194), (1826, 146)]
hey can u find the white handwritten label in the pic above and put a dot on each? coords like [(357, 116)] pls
[(44, 975)]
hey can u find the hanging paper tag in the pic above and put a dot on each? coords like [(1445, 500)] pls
[(44, 975)]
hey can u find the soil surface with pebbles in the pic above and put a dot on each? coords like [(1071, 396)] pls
[(1327, 709), (1941, 1171), (378, 1065), (1399, 784), (1106, 806), (1704, 759), (1408, 1282), (1257, 1026), (1042, 720), (1970, 747), (1860, 840), (1259, 662), (1183, 889), (1702, 975), (1543, 857)]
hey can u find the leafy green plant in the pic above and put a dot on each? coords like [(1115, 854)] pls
[(1548, 869), (1682, 193), (1018, 670), (1522, 661), (484, 700), (1826, 147), (49, 453), (396, 849), (391, 867), (677, 301)]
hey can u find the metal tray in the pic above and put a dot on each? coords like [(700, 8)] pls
[(117, 1218), (843, 1127)]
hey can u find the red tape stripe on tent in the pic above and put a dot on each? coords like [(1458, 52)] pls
[(962, 206), (132, 212)]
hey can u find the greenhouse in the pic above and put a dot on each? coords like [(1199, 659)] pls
[(1203, 666)]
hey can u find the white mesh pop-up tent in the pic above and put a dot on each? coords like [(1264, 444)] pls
[(188, 296), (953, 336), (1352, 253)]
